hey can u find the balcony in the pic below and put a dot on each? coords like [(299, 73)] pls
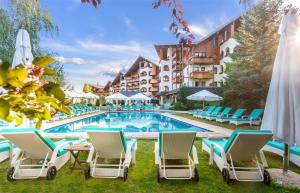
[(204, 60), (177, 80), (153, 89), (154, 81), (176, 67), (202, 75)]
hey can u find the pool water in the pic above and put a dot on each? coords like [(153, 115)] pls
[(128, 121)]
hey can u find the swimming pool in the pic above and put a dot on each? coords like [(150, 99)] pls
[(128, 121)]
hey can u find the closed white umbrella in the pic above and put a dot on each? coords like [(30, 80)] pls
[(282, 111), (23, 53), (139, 97), (204, 95)]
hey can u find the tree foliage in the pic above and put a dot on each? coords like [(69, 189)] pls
[(28, 15), (28, 94), (87, 88), (250, 71)]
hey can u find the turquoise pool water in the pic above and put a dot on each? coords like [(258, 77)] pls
[(129, 122)]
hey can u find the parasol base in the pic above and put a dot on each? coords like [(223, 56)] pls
[(292, 179)]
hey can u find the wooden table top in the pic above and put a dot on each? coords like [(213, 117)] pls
[(79, 147)]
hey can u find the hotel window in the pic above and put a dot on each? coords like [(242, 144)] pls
[(222, 54), (143, 73), (202, 69), (222, 69), (200, 54), (166, 88), (202, 83), (227, 51), (166, 68), (215, 70), (142, 64), (166, 78), (143, 89), (144, 81)]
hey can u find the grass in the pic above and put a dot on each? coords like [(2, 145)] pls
[(225, 125), (142, 179)]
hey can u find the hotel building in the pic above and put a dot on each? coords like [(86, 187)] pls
[(201, 66)]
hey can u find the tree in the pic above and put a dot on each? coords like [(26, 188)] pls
[(26, 15), (250, 71), (29, 94), (87, 88)]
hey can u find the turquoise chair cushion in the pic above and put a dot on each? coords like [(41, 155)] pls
[(220, 142), (4, 146), (278, 145)]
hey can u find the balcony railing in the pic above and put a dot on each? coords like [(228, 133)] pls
[(154, 81), (177, 79), (202, 75), (204, 60), (153, 89)]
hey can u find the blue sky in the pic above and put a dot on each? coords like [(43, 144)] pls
[(94, 44)]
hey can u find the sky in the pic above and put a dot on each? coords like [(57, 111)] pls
[(96, 43)]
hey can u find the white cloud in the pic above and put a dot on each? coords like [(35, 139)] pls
[(94, 48), (202, 29), (102, 47), (64, 60)]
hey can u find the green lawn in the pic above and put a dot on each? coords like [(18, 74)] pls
[(142, 178), (225, 125)]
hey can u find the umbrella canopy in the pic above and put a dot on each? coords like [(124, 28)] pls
[(204, 95), (91, 95), (23, 53), (282, 109), (140, 97), (116, 96), (71, 94)]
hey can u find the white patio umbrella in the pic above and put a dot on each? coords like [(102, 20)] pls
[(139, 97), (204, 95), (116, 96), (23, 53), (282, 111)]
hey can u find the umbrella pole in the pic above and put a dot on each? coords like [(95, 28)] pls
[(285, 159)]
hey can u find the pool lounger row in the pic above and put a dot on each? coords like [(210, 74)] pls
[(223, 115), (111, 144)]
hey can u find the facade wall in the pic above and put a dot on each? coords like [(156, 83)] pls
[(228, 46)]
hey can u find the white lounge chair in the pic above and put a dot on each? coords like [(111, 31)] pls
[(4, 150), (176, 145), (109, 143), (278, 148), (36, 155), (242, 146)]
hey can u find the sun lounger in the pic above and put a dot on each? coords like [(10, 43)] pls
[(278, 148), (242, 146), (4, 150), (253, 119), (214, 113), (176, 146), (226, 118), (35, 155), (109, 143), (224, 113)]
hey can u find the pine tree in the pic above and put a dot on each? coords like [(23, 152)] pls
[(249, 73)]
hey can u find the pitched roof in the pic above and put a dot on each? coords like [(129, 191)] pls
[(117, 78), (135, 65)]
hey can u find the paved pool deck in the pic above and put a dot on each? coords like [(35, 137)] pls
[(214, 131)]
